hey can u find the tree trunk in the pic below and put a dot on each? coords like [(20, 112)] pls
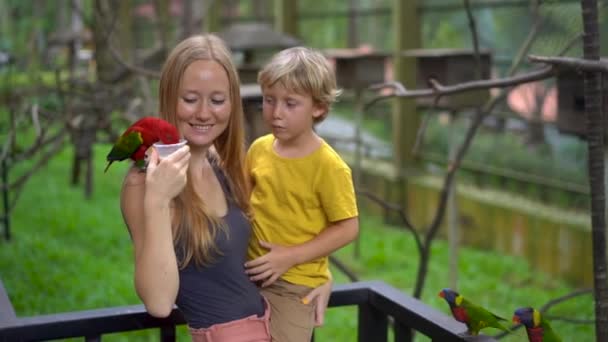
[(352, 38), (595, 140)]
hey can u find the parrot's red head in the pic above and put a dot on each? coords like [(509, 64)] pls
[(155, 129), (142, 134)]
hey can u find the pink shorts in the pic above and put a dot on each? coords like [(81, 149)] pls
[(248, 329)]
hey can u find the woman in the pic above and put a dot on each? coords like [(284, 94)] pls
[(189, 213)]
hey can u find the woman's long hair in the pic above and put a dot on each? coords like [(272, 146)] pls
[(194, 228)]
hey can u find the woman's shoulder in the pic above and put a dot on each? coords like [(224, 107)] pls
[(134, 178)]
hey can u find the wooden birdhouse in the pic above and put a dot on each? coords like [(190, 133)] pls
[(449, 67), (357, 69), (252, 44), (571, 102)]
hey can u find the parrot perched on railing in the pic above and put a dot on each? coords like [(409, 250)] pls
[(537, 327), (475, 317), (136, 139)]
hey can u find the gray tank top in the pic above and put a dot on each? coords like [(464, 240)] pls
[(221, 292)]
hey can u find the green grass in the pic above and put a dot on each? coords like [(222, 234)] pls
[(69, 253)]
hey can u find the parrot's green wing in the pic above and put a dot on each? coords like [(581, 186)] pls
[(124, 147), (480, 318), (548, 334)]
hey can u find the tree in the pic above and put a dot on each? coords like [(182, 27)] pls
[(595, 141)]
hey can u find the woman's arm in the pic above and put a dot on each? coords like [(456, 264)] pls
[(145, 205), (270, 266)]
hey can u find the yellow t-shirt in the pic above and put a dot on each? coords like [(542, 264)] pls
[(294, 199)]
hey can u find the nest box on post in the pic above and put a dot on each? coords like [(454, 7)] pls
[(252, 44), (449, 67), (356, 69), (571, 102)]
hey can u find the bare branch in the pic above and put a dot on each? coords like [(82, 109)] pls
[(352, 276), (398, 90), (440, 90), (570, 44), (395, 208), (474, 37), (35, 119), (17, 186), (564, 298), (117, 56), (570, 320), (569, 63), (420, 134), (530, 39)]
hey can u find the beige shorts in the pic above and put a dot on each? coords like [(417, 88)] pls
[(290, 319)]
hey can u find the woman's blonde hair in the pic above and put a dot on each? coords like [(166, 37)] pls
[(304, 71), (194, 228)]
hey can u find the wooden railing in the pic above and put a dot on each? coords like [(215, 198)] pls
[(378, 304)]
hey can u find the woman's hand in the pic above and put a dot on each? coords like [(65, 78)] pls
[(270, 266), (166, 178)]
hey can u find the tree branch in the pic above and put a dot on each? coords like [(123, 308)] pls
[(352, 276), (395, 208), (117, 56), (570, 63), (442, 90)]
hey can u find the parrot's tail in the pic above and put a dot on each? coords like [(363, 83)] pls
[(107, 166)]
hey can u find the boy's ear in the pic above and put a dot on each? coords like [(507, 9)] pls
[(319, 110)]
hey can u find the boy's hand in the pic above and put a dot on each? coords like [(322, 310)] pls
[(271, 265), (321, 295)]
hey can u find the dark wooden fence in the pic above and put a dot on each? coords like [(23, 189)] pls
[(380, 307)]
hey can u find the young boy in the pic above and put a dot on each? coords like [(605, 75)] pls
[(303, 199)]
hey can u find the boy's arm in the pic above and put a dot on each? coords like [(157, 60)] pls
[(332, 238), (281, 258), (320, 295)]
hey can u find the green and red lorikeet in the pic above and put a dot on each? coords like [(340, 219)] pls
[(538, 328), (475, 317), (136, 139)]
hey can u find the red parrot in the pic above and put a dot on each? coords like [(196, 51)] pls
[(136, 139), (474, 316), (537, 327)]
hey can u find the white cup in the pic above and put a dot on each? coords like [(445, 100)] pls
[(164, 150)]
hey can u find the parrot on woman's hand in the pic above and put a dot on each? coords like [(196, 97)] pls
[(136, 139), (538, 328), (475, 317)]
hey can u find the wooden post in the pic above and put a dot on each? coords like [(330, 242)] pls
[(213, 17), (286, 16), (406, 120), (123, 33), (6, 217), (352, 38), (373, 324), (452, 210)]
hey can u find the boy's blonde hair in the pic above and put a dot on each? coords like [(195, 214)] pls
[(304, 71)]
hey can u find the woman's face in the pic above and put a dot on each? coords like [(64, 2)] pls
[(203, 104)]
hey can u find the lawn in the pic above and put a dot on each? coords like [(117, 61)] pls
[(69, 253)]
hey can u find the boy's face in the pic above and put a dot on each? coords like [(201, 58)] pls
[(288, 114)]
